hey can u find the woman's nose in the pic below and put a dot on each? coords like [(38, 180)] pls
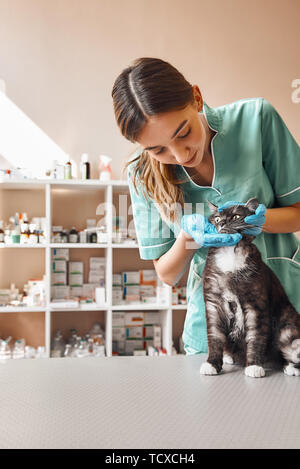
[(182, 155)]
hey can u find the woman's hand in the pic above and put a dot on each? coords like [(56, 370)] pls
[(205, 234)]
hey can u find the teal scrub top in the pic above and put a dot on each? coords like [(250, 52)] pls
[(254, 155)]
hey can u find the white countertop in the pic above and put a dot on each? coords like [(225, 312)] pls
[(144, 402)]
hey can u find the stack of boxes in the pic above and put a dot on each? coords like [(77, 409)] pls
[(68, 277), (136, 333), (139, 286)]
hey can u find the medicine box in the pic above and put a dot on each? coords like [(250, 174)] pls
[(88, 290), (75, 267), (59, 266), (134, 332), (118, 319), (75, 292), (151, 318), (75, 280), (60, 292), (148, 277), (97, 263), (96, 277), (117, 280), (61, 254), (118, 333), (131, 277), (59, 278), (133, 344), (135, 318)]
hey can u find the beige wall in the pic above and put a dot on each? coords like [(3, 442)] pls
[(59, 59)]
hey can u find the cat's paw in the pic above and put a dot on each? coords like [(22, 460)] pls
[(207, 369), (227, 359), (290, 370), (255, 371)]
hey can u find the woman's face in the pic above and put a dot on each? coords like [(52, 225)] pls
[(177, 137)]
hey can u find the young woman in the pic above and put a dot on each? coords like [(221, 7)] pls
[(190, 153)]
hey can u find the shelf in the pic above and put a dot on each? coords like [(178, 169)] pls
[(25, 246), (22, 309), (86, 307), (38, 184), (142, 306), (110, 188), (79, 245)]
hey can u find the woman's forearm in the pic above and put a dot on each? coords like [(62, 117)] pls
[(171, 266), (282, 220)]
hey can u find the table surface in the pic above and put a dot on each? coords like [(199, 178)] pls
[(144, 402)]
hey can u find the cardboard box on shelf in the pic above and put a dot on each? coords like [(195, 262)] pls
[(118, 319), (59, 266), (75, 267), (60, 254), (118, 333), (59, 278), (148, 277), (131, 277), (75, 280), (60, 292), (135, 318)]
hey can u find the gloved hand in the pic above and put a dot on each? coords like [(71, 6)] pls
[(257, 219), (205, 234)]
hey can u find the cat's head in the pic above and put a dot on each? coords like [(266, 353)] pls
[(231, 219)]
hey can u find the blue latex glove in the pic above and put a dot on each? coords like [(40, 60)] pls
[(257, 219), (205, 234)]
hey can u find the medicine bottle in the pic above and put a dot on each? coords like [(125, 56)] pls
[(68, 170), (1, 232), (73, 235), (85, 166)]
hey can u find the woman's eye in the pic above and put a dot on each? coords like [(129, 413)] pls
[(185, 135), (217, 219), (160, 151), (236, 217)]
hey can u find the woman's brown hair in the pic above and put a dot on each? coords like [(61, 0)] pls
[(151, 86)]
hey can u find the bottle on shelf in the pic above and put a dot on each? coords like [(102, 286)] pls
[(68, 170), (19, 349), (1, 232), (73, 235), (85, 167)]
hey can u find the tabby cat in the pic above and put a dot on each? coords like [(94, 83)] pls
[(248, 313)]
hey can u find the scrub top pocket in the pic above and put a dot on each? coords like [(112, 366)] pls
[(288, 272)]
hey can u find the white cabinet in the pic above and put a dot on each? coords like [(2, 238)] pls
[(108, 191)]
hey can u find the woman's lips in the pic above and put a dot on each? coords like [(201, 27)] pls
[(191, 160)]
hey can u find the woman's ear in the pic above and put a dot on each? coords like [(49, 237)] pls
[(198, 97)]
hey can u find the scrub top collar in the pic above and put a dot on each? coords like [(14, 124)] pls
[(214, 121)]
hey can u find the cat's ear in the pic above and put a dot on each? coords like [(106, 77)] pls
[(213, 208), (252, 204)]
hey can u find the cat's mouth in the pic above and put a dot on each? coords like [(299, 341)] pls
[(232, 230)]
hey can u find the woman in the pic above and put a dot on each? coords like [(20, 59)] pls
[(190, 153)]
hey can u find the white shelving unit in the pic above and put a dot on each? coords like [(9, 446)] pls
[(108, 187)]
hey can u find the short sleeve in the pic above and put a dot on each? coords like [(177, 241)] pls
[(155, 236), (281, 156)]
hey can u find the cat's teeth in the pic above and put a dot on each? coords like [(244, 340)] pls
[(255, 371)]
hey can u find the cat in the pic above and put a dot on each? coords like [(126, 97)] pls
[(248, 313)]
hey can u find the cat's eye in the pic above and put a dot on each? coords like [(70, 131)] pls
[(236, 217), (217, 219)]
